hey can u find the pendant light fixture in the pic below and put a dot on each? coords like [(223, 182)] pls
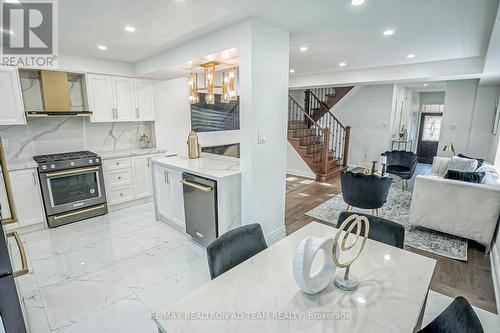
[(228, 84)]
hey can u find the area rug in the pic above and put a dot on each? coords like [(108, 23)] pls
[(397, 209)]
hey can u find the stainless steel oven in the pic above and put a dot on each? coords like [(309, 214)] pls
[(72, 187)]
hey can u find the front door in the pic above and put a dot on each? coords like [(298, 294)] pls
[(428, 139)]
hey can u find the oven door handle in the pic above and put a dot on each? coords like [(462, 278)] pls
[(24, 270), (71, 172)]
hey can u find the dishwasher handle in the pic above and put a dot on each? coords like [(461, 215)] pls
[(197, 186)]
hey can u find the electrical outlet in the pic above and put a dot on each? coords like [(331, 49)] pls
[(261, 137)]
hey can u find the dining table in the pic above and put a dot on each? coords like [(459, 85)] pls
[(261, 295)]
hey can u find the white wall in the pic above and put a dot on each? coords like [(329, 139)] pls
[(368, 112), (482, 142), (459, 103), (295, 165), (432, 97), (263, 78)]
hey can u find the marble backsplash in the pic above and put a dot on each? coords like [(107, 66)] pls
[(54, 135)]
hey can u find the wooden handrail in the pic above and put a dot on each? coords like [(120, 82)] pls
[(326, 108), (347, 139), (304, 112)]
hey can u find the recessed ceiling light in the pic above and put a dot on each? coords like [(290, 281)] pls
[(410, 56), (190, 62), (303, 48), (342, 64), (129, 28), (10, 32), (388, 32), (102, 47), (292, 70), (357, 2), (425, 84)]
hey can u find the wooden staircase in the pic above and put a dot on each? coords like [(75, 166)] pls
[(319, 101), (322, 143)]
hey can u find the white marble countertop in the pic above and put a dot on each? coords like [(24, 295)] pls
[(208, 165), (106, 155), (391, 295), (21, 164)]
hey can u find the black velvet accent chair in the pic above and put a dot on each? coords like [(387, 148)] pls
[(402, 164), (458, 317), (366, 192), (381, 230), (234, 247)]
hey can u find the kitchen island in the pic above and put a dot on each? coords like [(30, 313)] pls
[(168, 189)]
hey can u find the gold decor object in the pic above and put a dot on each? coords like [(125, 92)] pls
[(194, 149), (367, 171), (228, 84), (348, 282), (449, 148)]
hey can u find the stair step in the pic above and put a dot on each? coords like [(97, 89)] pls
[(303, 132), (310, 140)]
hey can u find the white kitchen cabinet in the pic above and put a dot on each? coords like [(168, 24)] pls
[(27, 198), (144, 100), (100, 95), (123, 96), (111, 98), (141, 166), (169, 195), (12, 109)]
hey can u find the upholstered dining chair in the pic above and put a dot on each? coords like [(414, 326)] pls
[(381, 230), (402, 164), (234, 247), (458, 317), (366, 192)]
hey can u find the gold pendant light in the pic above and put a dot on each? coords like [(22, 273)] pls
[(228, 85)]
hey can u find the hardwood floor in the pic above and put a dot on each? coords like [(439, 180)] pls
[(471, 279)]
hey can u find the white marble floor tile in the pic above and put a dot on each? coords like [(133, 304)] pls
[(437, 302), (151, 267), (77, 299), (125, 315), (37, 320), (53, 270), (169, 291)]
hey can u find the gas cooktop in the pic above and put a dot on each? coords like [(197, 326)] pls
[(64, 156)]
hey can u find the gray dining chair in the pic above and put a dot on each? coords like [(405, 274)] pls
[(381, 230), (458, 317), (234, 247)]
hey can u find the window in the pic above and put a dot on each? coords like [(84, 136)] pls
[(432, 128)]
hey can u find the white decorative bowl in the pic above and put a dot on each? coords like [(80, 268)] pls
[(303, 259)]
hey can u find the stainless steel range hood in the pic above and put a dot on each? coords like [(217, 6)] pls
[(48, 93)]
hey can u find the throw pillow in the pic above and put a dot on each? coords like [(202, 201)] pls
[(462, 164), (471, 177), (480, 161)]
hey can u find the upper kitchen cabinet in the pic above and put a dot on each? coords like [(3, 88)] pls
[(144, 100), (115, 98), (100, 95), (10, 94)]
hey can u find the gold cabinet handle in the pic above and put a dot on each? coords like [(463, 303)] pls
[(58, 217), (24, 270), (197, 186), (149, 160), (166, 177), (70, 172)]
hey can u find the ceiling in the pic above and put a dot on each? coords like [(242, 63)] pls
[(333, 30)]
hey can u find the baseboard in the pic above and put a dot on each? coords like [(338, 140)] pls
[(131, 203), (495, 274), (301, 173), (276, 235)]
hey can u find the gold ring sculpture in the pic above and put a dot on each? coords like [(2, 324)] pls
[(353, 221)]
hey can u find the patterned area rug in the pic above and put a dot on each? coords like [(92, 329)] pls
[(397, 209)]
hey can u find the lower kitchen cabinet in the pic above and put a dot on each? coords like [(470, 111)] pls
[(128, 179), (27, 198), (169, 195)]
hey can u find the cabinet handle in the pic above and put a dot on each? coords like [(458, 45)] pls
[(113, 112), (166, 176), (137, 112), (24, 270), (116, 110), (34, 178), (149, 160)]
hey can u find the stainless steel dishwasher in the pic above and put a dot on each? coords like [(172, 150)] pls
[(200, 208)]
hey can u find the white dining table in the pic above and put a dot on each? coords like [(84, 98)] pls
[(260, 294)]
